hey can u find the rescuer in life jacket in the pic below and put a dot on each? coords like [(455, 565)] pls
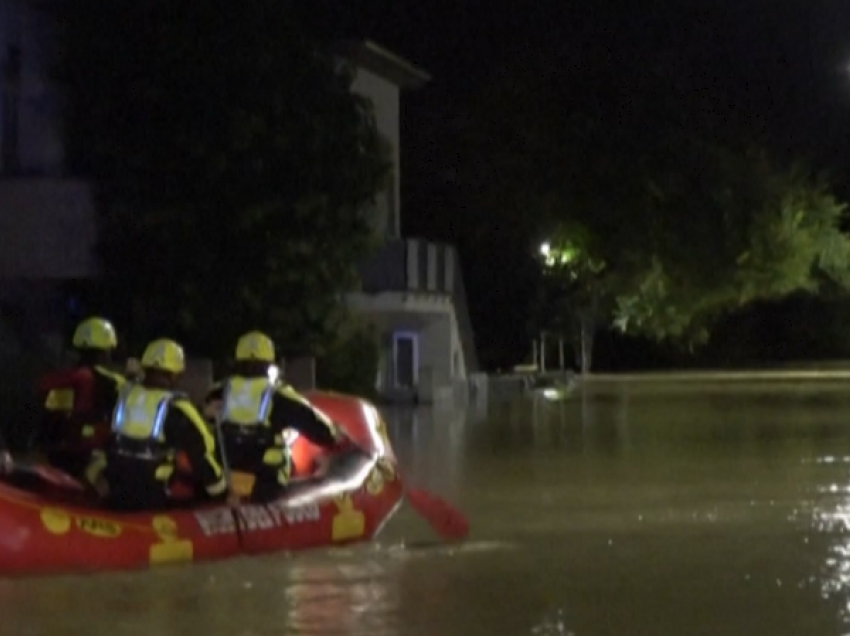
[(253, 408), (161, 452), (78, 402)]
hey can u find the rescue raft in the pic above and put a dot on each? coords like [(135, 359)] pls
[(54, 531)]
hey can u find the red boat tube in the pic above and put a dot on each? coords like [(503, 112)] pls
[(52, 531)]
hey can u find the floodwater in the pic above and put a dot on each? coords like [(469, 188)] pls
[(670, 509)]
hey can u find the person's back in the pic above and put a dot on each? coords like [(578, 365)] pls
[(252, 446), (160, 452), (78, 402), (255, 409)]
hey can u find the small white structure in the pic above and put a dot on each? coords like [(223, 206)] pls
[(412, 288)]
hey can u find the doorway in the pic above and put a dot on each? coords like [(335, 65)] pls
[(405, 359)]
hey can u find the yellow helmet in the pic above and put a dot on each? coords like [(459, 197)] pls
[(164, 355), (95, 333), (255, 346)]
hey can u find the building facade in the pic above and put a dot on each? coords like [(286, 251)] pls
[(46, 225), (412, 289)]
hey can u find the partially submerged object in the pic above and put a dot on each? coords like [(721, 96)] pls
[(553, 389)]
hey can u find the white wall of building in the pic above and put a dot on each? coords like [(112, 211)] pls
[(433, 322), (384, 96)]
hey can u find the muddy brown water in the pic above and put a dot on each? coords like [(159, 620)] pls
[(666, 509)]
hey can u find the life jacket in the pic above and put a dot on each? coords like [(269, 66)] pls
[(138, 430), (250, 442), (138, 422), (247, 402), (70, 400)]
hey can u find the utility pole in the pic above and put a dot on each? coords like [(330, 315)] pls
[(542, 352), (561, 354)]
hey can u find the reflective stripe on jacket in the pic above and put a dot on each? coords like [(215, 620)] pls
[(140, 414)]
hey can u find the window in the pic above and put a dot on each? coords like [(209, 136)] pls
[(10, 105), (405, 359)]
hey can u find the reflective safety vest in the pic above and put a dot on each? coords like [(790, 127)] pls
[(140, 413), (247, 401)]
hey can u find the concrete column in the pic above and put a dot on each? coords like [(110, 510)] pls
[(413, 264), (542, 353), (561, 353), (432, 267), (450, 270)]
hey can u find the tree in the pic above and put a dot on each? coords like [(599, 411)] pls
[(232, 167), (571, 298), (736, 231), (717, 230), (660, 209)]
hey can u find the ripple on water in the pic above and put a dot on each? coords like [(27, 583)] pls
[(430, 549), (553, 625)]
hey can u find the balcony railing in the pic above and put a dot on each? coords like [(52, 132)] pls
[(420, 266)]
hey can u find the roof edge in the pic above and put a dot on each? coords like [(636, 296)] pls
[(374, 57)]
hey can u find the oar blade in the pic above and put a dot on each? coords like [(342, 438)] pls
[(444, 518), (50, 475)]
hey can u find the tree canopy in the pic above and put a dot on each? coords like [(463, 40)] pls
[(232, 167), (684, 220), (661, 206)]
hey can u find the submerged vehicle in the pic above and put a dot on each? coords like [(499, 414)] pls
[(48, 526)]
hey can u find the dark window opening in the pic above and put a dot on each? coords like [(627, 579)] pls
[(11, 113)]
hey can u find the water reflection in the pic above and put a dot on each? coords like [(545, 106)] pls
[(629, 508), (831, 518), (354, 598), (431, 444), (552, 626), (331, 594)]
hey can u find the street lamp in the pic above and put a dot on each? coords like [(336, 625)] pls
[(545, 248)]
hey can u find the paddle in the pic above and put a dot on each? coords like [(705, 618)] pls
[(50, 475), (224, 464), (445, 519)]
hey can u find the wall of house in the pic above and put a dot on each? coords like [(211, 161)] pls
[(440, 365), (52, 223), (30, 133), (45, 223), (427, 267), (47, 227), (385, 98), (435, 357)]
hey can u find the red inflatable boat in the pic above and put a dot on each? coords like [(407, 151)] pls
[(51, 530)]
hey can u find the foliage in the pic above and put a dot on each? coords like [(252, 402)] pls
[(662, 209), (670, 225), (351, 364), (233, 166), (570, 296), (737, 231)]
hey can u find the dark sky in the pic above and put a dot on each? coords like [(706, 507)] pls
[(786, 62), (784, 58)]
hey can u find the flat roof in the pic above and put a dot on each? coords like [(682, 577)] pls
[(375, 58)]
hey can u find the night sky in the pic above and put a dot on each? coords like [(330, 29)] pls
[(785, 62), (787, 59)]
